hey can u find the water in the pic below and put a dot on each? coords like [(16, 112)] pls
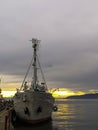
[(78, 114)]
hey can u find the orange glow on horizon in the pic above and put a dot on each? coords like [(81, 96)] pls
[(63, 94), (9, 90), (56, 94), (80, 93)]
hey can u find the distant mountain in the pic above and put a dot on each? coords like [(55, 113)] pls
[(85, 96)]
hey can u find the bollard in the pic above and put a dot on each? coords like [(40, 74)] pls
[(6, 118), (9, 128)]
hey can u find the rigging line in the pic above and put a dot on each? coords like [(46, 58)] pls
[(26, 73), (41, 72)]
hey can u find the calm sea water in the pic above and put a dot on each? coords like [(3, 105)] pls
[(78, 114)]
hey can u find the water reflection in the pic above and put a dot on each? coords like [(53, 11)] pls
[(65, 116), (76, 115), (64, 113), (44, 126)]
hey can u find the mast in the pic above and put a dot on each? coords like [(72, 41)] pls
[(35, 46)]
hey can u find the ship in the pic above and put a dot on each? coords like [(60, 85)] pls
[(33, 104)]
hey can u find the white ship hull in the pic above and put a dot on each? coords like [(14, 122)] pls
[(33, 103), (33, 106)]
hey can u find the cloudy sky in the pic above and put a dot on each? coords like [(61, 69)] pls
[(68, 30)]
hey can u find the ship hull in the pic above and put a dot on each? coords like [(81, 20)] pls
[(33, 107), (38, 121)]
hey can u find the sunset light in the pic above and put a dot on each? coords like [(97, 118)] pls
[(63, 93), (56, 94), (8, 93), (48, 64)]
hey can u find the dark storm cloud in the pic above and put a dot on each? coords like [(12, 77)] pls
[(68, 30)]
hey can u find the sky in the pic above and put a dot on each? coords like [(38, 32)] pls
[(68, 32)]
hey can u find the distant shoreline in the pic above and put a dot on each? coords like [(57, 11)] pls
[(85, 96)]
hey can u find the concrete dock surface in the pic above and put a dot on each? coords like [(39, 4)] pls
[(5, 122)]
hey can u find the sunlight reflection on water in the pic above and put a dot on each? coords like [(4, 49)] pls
[(76, 114)]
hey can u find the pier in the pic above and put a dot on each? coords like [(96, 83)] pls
[(5, 119)]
